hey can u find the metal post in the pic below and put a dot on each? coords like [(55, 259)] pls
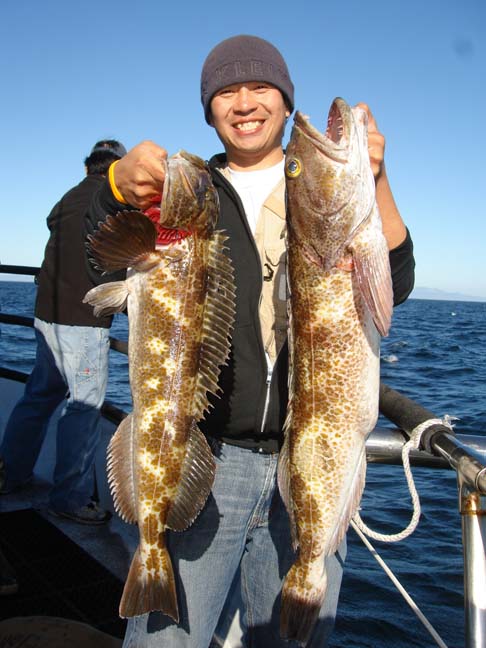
[(473, 512)]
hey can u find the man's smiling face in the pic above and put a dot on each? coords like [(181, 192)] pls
[(250, 121)]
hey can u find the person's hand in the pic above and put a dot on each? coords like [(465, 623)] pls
[(139, 175), (376, 143)]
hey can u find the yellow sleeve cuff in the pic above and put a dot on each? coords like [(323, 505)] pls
[(114, 188)]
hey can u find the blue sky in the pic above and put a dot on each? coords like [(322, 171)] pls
[(74, 72)]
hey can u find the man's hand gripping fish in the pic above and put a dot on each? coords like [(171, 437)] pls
[(340, 304), (180, 300)]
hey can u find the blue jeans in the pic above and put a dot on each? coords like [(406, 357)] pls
[(242, 531), (71, 362)]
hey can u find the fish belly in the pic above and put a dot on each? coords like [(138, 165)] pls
[(334, 405)]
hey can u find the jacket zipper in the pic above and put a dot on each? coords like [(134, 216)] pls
[(241, 209), (267, 399)]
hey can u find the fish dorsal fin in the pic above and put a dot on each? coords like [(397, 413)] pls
[(285, 489), (121, 470), (122, 241), (195, 483), (372, 265), (218, 322), (108, 298)]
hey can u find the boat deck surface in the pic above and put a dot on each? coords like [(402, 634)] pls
[(65, 570)]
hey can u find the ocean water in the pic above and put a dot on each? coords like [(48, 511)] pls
[(434, 355)]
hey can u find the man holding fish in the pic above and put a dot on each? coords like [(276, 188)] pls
[(245, 537)]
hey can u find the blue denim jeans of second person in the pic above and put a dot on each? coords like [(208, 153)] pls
[(243, 529), (71, 362)]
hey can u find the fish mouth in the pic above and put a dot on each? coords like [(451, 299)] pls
[(189, 200), (182, 176), (334, 140), (181, 183)]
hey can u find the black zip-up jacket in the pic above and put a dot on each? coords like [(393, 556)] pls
[(63, 281), (237, 414)]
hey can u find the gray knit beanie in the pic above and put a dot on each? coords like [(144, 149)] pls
[(244, 58)]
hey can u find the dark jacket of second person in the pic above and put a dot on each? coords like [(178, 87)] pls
[(63, 280)]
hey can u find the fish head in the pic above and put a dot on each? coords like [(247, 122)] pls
[(329, 182), (189, 200)]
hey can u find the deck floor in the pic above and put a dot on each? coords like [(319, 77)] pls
[(64, 569)]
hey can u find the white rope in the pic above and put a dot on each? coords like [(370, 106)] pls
[(400, 588), (412, 444)]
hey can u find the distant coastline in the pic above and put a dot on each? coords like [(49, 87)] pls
[(423, 292), (420, 292)]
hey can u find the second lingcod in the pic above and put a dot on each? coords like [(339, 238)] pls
[(340, 304)]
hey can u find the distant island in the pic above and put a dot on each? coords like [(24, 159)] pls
[(422, 292)]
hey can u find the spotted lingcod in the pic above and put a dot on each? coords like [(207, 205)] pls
[(180, 300), (340, 304)]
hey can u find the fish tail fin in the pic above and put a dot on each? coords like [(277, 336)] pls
[(302, 596), (145, 592)]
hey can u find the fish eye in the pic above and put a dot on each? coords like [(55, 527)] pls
[(293, 168)]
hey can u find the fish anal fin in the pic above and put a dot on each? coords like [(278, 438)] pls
[(372, 266), (124, 240), (146, 592), (108, 298), (219, 309), (121, 470), (350, 507), (196, 480)]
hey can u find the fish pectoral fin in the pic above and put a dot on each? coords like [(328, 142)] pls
[(121, 470), (144, 592), (108, 298), (124, 240), (196, 481), (372, 265), (283, 476)]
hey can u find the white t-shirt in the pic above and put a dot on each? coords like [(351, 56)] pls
[(254, 187)]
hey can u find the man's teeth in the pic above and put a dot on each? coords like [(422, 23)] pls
[(246, 126)]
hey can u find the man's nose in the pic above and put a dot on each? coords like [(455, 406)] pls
[(244, 100)]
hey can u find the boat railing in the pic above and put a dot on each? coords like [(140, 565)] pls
[(109, 410), (440, 447), (439, 440)]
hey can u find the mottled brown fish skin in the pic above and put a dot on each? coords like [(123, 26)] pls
[(165, 315), (165, 326), (334, 363), (180, 300)]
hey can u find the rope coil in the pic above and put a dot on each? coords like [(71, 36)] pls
[(412, 444), (363, 530)]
